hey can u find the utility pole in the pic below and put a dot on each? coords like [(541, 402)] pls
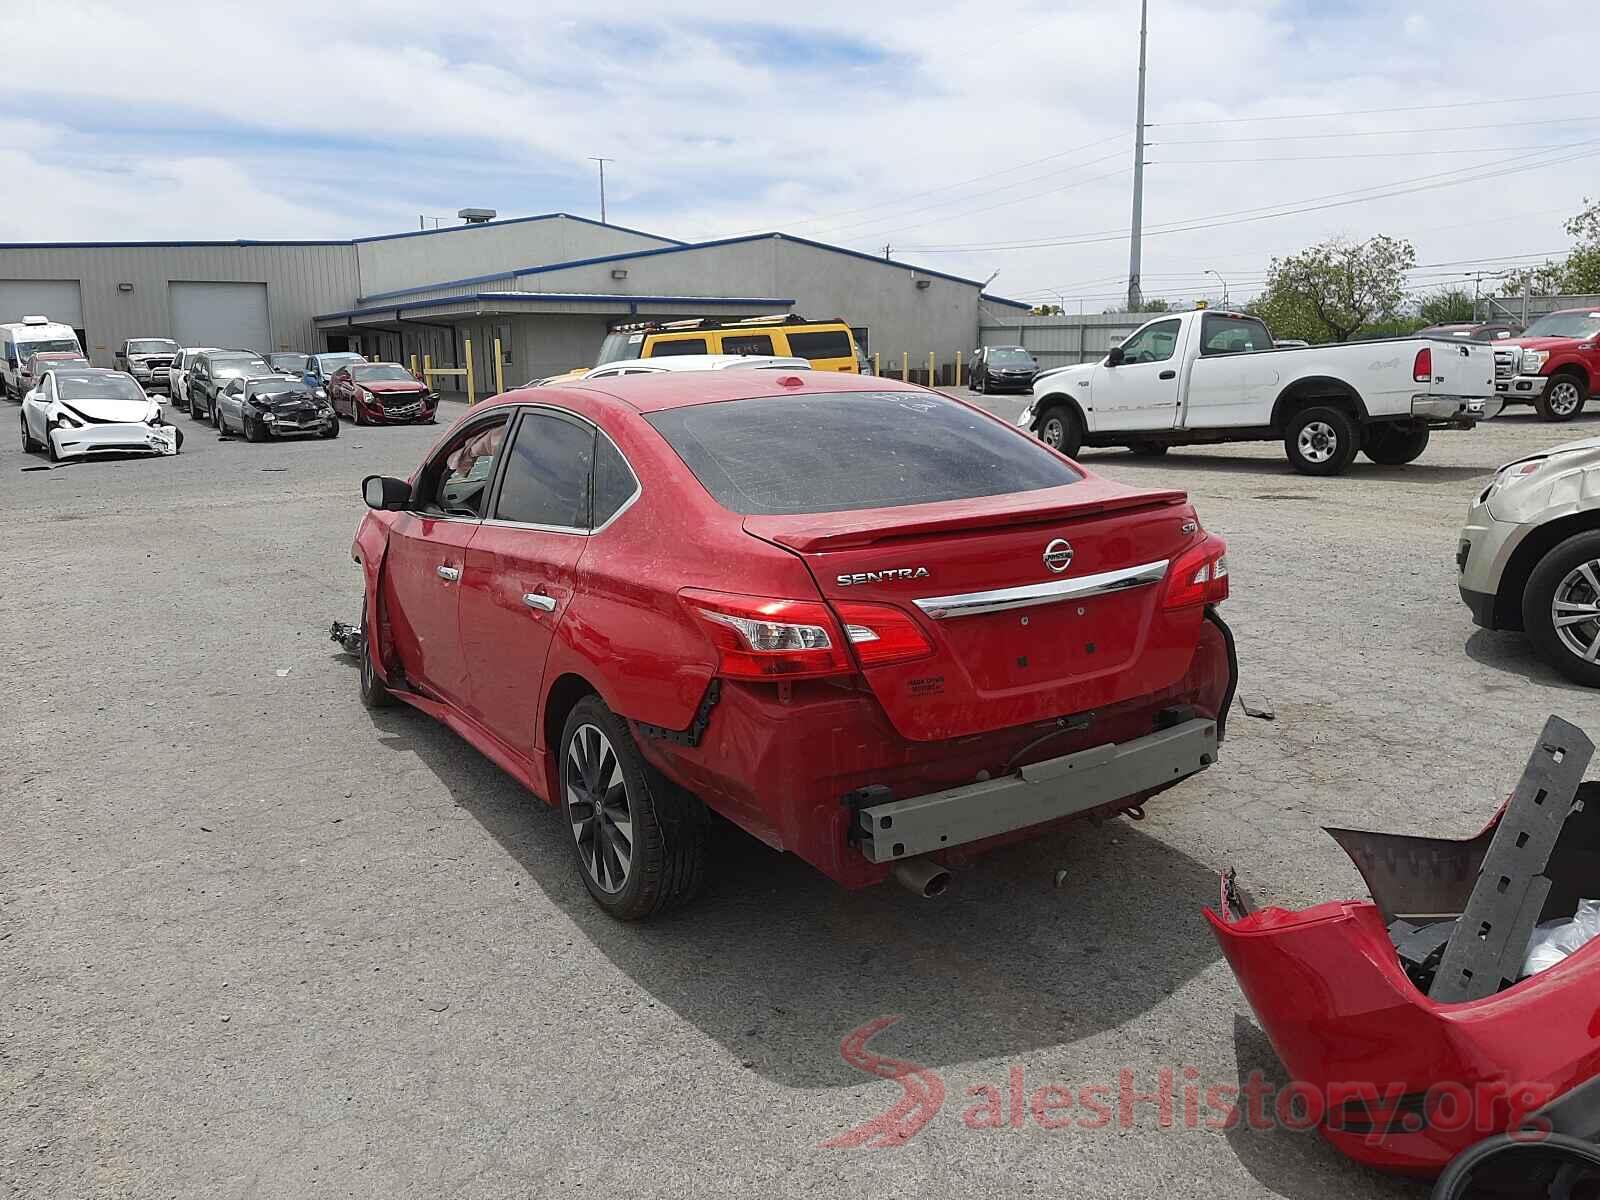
[(602, 162), (886, 250), (1134, 296)]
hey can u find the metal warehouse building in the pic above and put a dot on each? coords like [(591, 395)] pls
[(548, 287)]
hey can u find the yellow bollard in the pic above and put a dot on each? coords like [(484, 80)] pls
[(932, 382), (905, 367), (472, 394), (372, 358), (414, 374), (427, 371), (958, 368), (877, 366), (499, 369)]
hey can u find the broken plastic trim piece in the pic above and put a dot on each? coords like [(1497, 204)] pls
[(347, 635)]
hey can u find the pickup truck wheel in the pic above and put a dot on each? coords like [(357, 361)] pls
[(1395, 445), (1060, 429), (1561, 608), (1562, 399), (1320, 440), (640, 841)]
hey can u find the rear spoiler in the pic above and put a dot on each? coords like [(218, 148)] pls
[(817, 532)]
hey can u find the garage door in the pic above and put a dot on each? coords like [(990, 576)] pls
[(233, 315), (57, 299)]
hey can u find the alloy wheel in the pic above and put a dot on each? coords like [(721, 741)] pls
[(598, 807), (1563, 398), (1318, 442), (1575, 611)]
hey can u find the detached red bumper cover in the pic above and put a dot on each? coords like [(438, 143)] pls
[(1404, 1080)]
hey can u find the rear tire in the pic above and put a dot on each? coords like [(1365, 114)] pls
[(1565, 586), (1061, 429), (1395, 445), (639, 840), (1563, 398), (1320, 440), (374, 693)]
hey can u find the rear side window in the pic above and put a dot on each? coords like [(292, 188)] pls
[(827, 343), (546, 479), (1233, 335), (663, 347), (850, 450), (747, 343), (614, 482)]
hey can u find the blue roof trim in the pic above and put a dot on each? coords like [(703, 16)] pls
[(541, 268), (556, 298), (177, 243), (1002, 300), (552, 216)]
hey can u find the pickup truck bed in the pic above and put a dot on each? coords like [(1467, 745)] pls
[(1209, 376)]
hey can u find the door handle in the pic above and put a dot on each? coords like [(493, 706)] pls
[(540, 602), (448, 574), (1167, 375)]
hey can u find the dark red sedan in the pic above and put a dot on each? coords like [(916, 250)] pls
[(867, 623), (381, 394)]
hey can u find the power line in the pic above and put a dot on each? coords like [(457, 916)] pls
[(1349, 133), (1201, 162), (1362, 112), (1312, 204)]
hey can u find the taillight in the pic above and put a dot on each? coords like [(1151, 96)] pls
[(759, 637), (1199, 576), (1422, 368), (881, 634)]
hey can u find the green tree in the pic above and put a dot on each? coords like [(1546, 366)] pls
[(1046, 310), (1152, 304), (1580, 274), (1329, 291), (1446, 308)]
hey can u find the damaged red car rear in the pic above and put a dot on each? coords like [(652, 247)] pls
[(865, 622)]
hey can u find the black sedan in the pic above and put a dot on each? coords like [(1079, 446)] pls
[(1002, 368), (267, 406)]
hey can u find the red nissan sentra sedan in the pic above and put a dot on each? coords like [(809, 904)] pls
[(381, 394), (866, 622)]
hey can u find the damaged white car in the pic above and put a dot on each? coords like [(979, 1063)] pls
[(88, 411)]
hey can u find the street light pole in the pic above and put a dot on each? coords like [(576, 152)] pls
[(1134, 296), (602, 162), (1224, 284)]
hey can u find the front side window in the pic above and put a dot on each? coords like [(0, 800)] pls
[(456, 482), (547, 475), (1153, 343), (669, 346), (776, 455)]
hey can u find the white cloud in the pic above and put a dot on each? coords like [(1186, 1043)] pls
[(855, 123)]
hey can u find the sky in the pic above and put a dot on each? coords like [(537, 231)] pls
[(971, 138)]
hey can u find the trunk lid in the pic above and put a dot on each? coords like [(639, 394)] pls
[(1014, 639)]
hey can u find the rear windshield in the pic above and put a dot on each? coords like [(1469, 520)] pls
[(98, 385), (823, 343), (814, 454)]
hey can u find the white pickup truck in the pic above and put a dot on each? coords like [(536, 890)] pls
[(1211, 376)]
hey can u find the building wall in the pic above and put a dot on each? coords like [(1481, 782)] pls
[(302, 280), (413, 260)]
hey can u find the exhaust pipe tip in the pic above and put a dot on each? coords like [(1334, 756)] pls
[(927, 879)]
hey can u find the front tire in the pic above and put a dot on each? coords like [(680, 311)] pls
[(1395, 445), (1061, 429), (50, 445), (374, 693), (332, 431), (1563, 398), (1561, 608), (640, 842), (1320, 440), (254, 431), (28, 444)]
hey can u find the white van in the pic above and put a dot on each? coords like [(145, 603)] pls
[(22, 339)]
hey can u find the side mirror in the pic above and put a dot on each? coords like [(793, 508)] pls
[(386, 494), (1114, 357)]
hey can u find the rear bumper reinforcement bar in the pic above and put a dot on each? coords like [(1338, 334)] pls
[(1041, 792)]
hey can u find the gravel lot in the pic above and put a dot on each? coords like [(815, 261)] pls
[(255, 941)]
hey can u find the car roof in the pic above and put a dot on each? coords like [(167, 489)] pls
[(662, 390)]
